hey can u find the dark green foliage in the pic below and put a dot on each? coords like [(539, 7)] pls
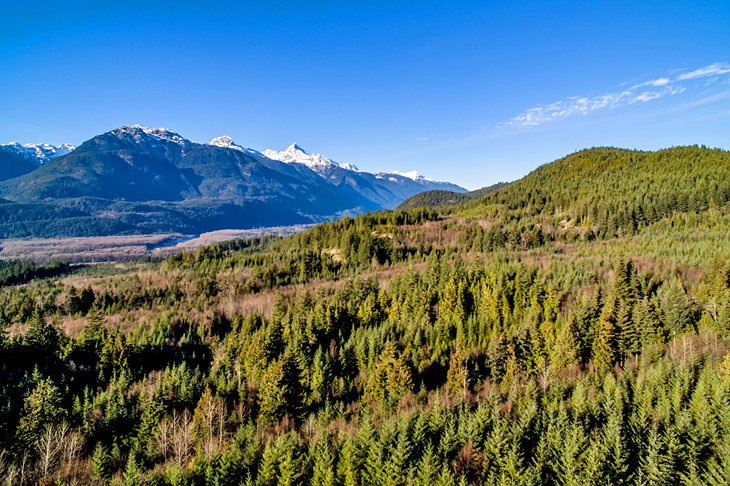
[(101, 463), (41, 409), (440, 198), (14, 164), (16, 272), (612, 191)]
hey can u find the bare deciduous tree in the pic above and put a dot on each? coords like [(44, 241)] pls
[(58, 444), (174, 437)]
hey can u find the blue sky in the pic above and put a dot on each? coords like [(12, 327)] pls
[(473, 93)]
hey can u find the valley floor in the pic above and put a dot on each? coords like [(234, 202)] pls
[(127, 247)]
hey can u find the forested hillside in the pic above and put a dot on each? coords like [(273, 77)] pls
[(442, 199), (615, 191), (570, 328)]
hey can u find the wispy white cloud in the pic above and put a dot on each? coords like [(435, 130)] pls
[(638, 93), (717, 69), (659, 82), (583, 106)]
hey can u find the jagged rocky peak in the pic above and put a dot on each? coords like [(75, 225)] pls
[(294, 153), (295, 148), (224, 141)]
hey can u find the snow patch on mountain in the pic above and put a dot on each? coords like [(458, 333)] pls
[(413, 175)]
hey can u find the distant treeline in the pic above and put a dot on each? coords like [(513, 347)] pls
[(16, 272)]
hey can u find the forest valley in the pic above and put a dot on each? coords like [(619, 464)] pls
[(568, 328)]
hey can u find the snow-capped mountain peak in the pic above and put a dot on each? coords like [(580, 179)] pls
[(224, 141), (295, 149), (296, 154), (39, 153), (138, 132)]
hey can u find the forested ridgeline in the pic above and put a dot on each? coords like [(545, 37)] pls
[(609, 192), (394, 348), (441, 198)]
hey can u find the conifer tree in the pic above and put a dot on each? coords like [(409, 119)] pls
[(674, 306), (40, 334), (131, 472), (451, 304), (655, 467), (630, 342), (446, 478), (645, 322), (565, 351), (604, 344), (458, 372), (101, 463), (348, 463), (427, 469), (94, 332), (291, 467), (323, 470), (41, 408), (391, 378), (372, 469), (320, 381), (268, 470), (396, 467)]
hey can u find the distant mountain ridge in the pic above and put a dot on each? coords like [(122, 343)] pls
[(39, 153), (317, 162), (17, 159), (138, 179), (388, 189)]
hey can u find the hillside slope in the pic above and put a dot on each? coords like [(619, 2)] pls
[(13, 164), (613, 190), (442, 198)]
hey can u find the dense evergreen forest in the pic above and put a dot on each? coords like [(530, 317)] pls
[(570, 328)]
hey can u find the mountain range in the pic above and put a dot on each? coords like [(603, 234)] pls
[(136, 179)]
